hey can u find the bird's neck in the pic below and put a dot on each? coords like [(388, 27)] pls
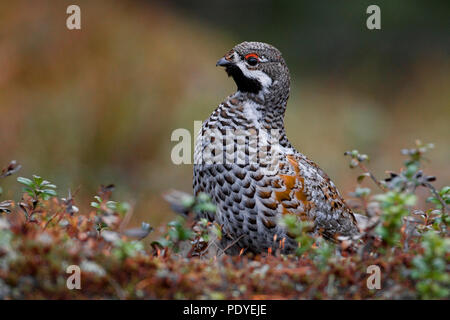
[(267, 106), (265, 111)]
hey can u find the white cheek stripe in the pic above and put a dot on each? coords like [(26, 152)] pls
[(263, 78)]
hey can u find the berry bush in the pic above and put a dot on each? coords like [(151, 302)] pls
[(404, 236)]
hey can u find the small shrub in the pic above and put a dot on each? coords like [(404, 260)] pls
[(38, 188), (409, 243), (431, 267)]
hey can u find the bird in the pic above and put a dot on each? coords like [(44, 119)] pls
[(261, 177)]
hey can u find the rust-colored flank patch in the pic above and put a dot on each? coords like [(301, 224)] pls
[(294, 187)]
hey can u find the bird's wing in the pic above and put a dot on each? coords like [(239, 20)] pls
[(302, 189)]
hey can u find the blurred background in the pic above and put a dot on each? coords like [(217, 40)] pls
[(98, 105)]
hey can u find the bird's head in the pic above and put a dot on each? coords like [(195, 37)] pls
[(256, 67)]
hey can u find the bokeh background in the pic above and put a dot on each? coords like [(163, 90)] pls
[(98, 106)]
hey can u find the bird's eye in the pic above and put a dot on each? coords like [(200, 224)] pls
[(252, 59)]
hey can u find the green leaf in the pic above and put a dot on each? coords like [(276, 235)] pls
[(95, 205), (354, 163), (410, 200), (362, 176), (50, 192), (25, 181), (48, 185), (123, 207), (187, 202), (111, 205), (362, 192), (444, 190), (37, 179)]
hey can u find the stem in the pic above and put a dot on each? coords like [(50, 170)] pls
[(438, 196), (378, 183), (231, 244)]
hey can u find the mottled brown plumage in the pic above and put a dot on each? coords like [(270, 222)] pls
[(257, 176)]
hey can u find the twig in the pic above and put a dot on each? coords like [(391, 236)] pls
[(51, 218), (207, 248), (127, 218), (378, 183), (437, 195), (117, 288), (231, 244)]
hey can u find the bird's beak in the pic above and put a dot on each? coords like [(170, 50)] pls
[(223, 62)]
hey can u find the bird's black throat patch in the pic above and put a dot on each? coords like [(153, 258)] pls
[(243, 83)]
